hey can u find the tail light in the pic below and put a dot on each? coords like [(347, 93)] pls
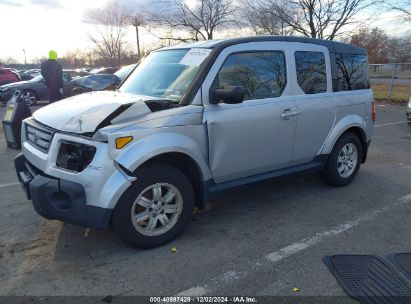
[(373, 112)]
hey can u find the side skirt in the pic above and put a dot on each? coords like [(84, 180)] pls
[(210, 188)]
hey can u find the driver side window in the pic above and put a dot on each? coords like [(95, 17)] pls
[(262, 74)]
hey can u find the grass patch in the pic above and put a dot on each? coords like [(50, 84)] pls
[(400, 93)]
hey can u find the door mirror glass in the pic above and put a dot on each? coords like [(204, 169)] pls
[(227, 94)]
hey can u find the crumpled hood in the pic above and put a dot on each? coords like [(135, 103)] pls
[(84, 113)]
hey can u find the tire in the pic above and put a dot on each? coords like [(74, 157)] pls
[(141, 234), (331, 173), (30, 97)]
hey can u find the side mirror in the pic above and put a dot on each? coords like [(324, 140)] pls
[(228, 94)]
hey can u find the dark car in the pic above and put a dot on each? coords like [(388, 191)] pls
[(108, 70), (33, 90), (33, 72), (100, 82), (76, 73), (25, 76), (97, 82), (125, 71), (8, 76)]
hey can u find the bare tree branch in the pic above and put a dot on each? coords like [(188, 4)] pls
[(189, 22), (111, 24), (323, 19), (402, 6)]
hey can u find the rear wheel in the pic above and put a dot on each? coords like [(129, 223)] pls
[(344, 161), (156, 208), (29, 97)]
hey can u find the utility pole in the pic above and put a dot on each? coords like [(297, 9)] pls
[(136, 22), (25, 59)]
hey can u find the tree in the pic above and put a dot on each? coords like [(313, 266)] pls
[(400, 49), (76, 58), (375, 41), (323, 19), (11, 60), (109, 37), (176, 20), (402, 6), (265, 21)]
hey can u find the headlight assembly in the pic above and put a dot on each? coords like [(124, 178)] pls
[(74, 156)]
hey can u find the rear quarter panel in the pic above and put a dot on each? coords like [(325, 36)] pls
[(353, 109)]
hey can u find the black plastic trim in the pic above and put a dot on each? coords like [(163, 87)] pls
[(210, 187)]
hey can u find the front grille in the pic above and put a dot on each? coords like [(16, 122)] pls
[(39, 137)]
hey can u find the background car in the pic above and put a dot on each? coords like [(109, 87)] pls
[(107, 70), (97, 82), (33, 90), (76, 73), (125, 71), (33, 72), (100, 82), (25, 76), (8, 76)]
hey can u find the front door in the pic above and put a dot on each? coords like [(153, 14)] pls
[(257, 135)]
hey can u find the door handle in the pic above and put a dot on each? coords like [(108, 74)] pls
[(287, 113)]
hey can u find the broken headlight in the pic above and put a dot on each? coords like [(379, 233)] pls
[(74, 156)]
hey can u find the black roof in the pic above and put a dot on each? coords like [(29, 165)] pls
[(333, 46)]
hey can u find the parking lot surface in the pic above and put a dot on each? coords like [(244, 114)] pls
[(265, 239)]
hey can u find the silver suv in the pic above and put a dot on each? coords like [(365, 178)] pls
[(194, 120)]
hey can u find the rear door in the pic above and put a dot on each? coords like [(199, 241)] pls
[(314, 99)]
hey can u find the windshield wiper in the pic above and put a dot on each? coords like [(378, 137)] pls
[(161, 104)]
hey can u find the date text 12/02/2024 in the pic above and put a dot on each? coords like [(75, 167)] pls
[(182, 299)]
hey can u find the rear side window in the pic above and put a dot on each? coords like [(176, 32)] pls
[(352, 72), (311, 72), (262, 74)]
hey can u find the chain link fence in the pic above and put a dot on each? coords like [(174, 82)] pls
[(391, 81)]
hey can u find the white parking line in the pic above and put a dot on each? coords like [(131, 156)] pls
[(390, 123), (8, 185), (232, 276), (382, 105)]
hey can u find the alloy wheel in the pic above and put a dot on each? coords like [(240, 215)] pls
[(156, 209), (347, 160)]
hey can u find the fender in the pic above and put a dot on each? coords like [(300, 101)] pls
[(340, 127), (156, 144)]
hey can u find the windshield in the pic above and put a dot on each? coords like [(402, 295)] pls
[(165, 74)]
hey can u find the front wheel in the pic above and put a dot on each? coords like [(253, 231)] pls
[(156, 208), (344, 161)]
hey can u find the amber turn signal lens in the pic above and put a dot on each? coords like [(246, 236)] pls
[(121, 142)]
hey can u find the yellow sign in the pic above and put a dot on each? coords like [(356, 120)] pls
[(9, 113)]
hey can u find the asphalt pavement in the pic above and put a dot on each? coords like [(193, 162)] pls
[(262, 240)]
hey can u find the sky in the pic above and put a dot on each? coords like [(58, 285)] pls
[(40, 25)]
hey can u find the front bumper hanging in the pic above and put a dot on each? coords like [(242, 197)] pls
[(59, 199)]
